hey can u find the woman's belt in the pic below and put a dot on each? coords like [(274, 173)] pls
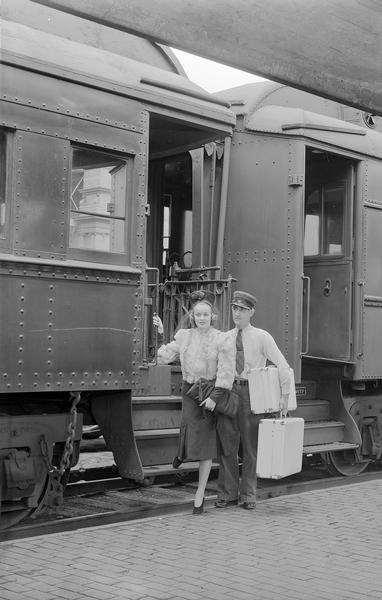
[(240, 381)]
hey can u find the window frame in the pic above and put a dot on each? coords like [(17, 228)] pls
[(103, 256), (345, 235)]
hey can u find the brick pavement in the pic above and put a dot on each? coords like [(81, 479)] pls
[(322, 545)]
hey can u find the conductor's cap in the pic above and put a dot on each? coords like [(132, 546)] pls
[(203, 296), (244, 300)]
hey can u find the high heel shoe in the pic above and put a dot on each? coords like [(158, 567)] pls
[(198, 510), (177, 462)]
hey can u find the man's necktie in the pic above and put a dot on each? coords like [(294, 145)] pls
[(239, 353)]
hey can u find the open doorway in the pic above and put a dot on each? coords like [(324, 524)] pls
[(328, 261)]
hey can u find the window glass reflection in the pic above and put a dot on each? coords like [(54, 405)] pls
[(98, 201), (324, 221)]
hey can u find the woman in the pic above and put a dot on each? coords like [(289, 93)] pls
[(204, 352)]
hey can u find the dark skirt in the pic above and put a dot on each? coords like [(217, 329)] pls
[(197, 437)]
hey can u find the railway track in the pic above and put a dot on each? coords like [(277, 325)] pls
[(105, 498)]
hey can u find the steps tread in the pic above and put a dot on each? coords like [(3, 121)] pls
[(324, 423), (330, 447), (155, 399), (154, 433)]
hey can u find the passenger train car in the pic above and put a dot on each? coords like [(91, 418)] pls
[(123, 188), (84, 134)]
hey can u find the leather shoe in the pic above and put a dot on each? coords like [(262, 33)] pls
[(249, 505), (225, 503), (176, 462), (198, 510)]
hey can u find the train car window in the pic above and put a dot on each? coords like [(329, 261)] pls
[(98, 201), (2, 182), (324, 221)]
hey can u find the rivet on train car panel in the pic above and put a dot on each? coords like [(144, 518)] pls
[(35, 374), (21, 324), (35, 384), (8, 385), (94, 383), (70, 382), (49, 374), (49, 363), (20, 385), (49, 337), (110, 373), (5, 375), (60, 373), (21, 337), (50, 324), (20, 362)]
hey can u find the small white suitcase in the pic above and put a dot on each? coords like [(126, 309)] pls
[(265, 392), (279, 448)]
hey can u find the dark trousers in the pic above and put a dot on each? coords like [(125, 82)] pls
[(229, 486)]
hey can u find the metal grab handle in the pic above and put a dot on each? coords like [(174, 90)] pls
[(154, 310), (306, 291)]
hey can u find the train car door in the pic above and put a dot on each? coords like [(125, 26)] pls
[(328, 264)]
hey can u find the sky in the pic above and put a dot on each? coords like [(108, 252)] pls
[(213, 76)]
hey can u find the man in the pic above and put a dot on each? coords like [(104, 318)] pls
[(254, 347)]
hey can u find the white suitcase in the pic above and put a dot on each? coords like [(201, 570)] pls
[(279, 448), (265, 391)]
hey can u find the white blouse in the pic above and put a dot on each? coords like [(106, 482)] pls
[(206, 354)]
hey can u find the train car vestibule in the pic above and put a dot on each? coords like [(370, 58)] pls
[(328, 264)]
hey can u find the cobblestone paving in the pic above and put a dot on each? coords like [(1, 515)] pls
[(322, 545)]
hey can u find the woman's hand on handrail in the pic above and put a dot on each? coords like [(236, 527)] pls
[(157, 322)]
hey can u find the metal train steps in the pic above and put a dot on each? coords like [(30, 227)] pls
[(312, 409), (333, 447), (156, 412), (323, 432)]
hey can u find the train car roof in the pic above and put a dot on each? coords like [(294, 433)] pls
[(269, 107), (70, 60), (90, 33), (320, 128)]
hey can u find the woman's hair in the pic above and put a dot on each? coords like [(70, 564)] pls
[(190, 314)]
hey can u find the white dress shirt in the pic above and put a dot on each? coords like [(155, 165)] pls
[(260, 347)]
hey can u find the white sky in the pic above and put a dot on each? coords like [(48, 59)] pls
[(213, 76)]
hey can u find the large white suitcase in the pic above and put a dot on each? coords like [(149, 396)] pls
[(279, 448), (265, 391)]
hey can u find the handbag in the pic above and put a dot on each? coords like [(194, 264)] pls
[(227, 402), (201, 389)]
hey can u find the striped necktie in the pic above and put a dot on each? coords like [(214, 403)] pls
[(239, 353)]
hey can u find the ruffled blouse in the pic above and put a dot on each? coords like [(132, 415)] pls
[(206, 354)]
